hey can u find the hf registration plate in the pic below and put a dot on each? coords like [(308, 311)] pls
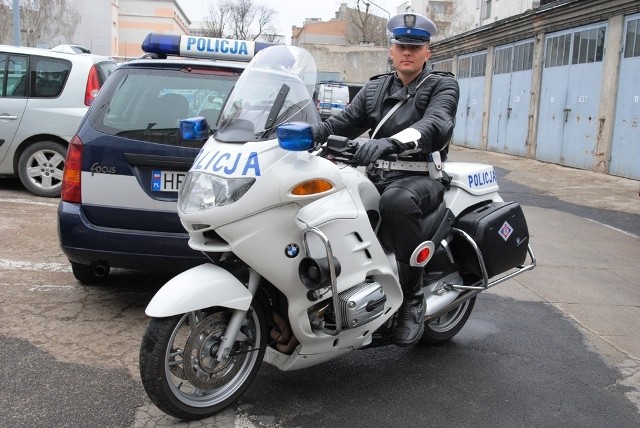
[(166, 181)]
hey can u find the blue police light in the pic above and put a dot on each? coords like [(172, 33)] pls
[(161, 44), (295, 136), (202, 47), (194, 128)]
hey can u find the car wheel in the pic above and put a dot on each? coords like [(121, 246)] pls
[(90, 274), (40, 168)]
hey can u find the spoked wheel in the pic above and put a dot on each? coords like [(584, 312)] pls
[(443, 328), (178, 366)]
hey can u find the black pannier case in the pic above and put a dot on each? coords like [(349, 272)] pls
[(500, 231)]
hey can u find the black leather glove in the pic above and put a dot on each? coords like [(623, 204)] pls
[(318, 132), (373, 150)]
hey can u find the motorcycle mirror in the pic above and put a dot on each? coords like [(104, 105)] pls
[(295, 136)]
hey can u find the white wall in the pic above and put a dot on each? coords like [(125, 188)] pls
[(95, 29), (473, 9)]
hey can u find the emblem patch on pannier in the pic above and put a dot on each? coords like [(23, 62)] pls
[(505, 231)]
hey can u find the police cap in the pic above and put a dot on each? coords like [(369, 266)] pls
[(411, 29)]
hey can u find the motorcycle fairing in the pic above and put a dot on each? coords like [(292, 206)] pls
[(475, 178), (262, 245)]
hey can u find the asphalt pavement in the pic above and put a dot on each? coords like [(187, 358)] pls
[(604, 198), (557, 346)]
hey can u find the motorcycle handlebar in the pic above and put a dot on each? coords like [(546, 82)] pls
[(340, 148), (344, 149)]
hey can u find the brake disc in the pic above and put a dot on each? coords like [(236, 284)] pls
[(201, 368)]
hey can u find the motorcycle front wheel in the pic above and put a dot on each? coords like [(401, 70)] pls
[(178, 368), (443, 328)]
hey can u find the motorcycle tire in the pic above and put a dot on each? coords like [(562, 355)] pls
[(196, 387), (446, 326)]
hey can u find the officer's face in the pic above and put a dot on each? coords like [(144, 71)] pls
[(409, 59)]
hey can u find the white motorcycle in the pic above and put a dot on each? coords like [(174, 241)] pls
[(297, 274)]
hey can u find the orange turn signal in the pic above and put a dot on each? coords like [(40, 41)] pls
[(311, 187)]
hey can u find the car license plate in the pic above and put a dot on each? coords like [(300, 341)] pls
[(166, 181)]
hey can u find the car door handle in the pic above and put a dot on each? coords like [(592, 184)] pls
[(7, 117)]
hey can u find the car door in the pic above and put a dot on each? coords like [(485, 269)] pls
[(13, 98)]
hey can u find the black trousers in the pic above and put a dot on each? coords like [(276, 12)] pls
[(404, 201)]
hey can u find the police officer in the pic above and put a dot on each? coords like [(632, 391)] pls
[(415, 98)]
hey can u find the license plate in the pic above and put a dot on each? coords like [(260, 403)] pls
[(166, 181)]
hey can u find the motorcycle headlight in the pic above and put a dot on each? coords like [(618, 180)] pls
[(201, 191)]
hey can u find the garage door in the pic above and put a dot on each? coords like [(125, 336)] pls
[(510, 95), (471, 75), (570, 96), (625, 146)]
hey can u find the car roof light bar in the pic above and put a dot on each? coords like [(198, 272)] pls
[(201, 47)]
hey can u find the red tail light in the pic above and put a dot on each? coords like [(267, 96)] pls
[(93, 86), (72, 172)]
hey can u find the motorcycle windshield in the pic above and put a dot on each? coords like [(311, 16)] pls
[(276, 87)]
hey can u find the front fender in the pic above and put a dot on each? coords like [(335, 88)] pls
[(200, 287)]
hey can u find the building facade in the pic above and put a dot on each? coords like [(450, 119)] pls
[(458, 16), (349, 27), (137, 18), (340, 53), (117, 27), (557, 83)]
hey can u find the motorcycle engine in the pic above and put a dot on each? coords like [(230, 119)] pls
[(358, 305), (361, 304)]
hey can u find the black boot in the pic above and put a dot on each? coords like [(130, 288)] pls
[(409, 321)]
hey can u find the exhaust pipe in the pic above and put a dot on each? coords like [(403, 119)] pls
[(480, 286), (100, 269), (462, 298)]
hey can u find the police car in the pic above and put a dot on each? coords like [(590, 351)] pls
[(128, 159), (330, 98)]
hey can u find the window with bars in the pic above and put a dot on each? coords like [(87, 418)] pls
[(632, 39), (557, 51), (445, 65), (464, 67), (478, 65), (502, 61), (581, 47), (472, 66), (588, 46), (523, 57)]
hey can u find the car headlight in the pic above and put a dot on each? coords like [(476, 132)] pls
[(201, 191)]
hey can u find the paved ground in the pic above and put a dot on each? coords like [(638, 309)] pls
[(587, 191), (564, 351), (593, 278)]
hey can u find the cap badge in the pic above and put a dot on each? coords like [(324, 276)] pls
[(409, 21)]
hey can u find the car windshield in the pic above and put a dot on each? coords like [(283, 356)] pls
[(147, 104), (275, 87)]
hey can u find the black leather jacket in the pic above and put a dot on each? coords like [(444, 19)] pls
[(430, 109)]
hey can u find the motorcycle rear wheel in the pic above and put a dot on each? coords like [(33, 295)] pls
[(198, 387), (446, 326)]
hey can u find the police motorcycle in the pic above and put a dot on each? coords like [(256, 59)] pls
[(297, 274)]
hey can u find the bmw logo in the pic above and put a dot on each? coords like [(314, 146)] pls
[(292, 251)]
